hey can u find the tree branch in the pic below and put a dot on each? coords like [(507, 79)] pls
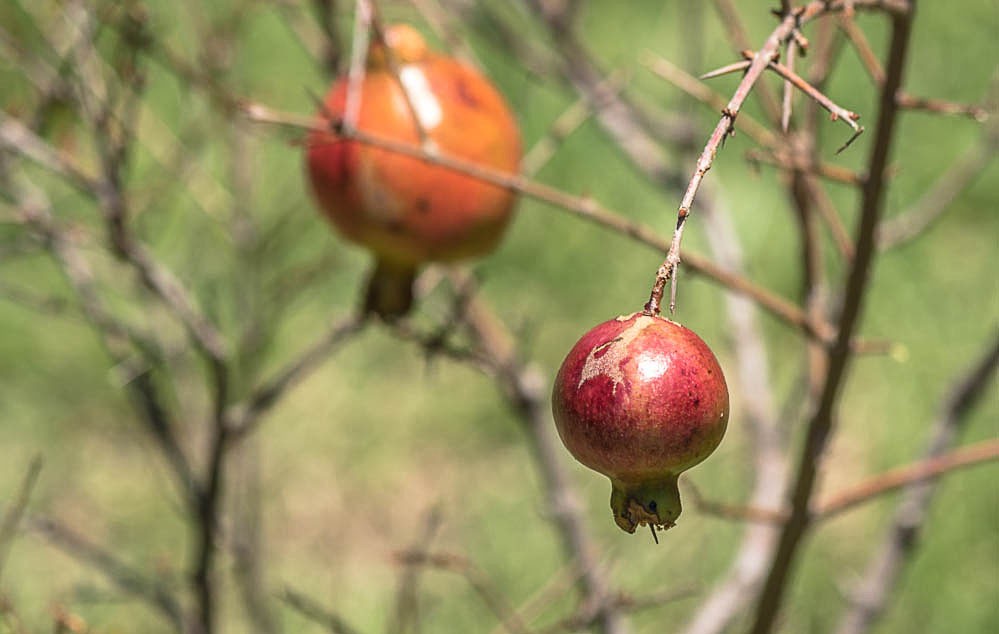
[(821, 424)]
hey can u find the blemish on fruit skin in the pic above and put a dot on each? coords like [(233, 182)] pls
[(606, 359), (466, 95)]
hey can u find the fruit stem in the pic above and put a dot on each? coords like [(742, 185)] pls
[(390, 289)]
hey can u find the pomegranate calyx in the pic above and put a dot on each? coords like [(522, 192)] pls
[(655, 502)]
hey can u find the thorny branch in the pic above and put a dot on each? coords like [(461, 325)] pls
[(838, 356), (761, 60)]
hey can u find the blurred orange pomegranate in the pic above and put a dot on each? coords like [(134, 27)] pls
[(406, 211)]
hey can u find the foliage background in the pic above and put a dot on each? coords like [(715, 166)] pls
[(350, 463)]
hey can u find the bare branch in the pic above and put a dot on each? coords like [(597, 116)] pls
[(821, 424), (17, 137), (154, 275), (930, 468), (120, 340), (942, 107), (126, 578), (761, 60), (244, 417), (787, 101), (837, 112), (731, 21), (585, 617), (902, 98)]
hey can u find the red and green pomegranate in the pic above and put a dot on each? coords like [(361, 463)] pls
[(641, 399), (406, 211)]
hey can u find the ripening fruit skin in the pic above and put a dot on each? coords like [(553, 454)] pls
[(408, 212), (641, 399)]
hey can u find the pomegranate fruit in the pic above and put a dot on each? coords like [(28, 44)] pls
[(641, 399), (404, 210)]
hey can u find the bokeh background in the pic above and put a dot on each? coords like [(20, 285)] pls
[(347, 467)]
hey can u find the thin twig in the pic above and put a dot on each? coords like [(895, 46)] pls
[(914, 222), (395, 69), (731, 21), (246, 536), (827, 211), (360, 41), (703, 93), (919, 472), (585, 618), (780, 157), (443, 25), (555, 588), (245, 416), (837, 112), (16, 509), (930, 468), (903, 99), (312, 610), (127, 579), (787, 100), (620, 118), (942, 107), (406, 616), (477, 580)]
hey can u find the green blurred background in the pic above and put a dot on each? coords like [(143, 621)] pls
[(351, 461)]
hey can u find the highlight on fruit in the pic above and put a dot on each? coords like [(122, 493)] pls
[(641, 399), (406, 211)]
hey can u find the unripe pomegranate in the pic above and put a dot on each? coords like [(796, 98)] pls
[(406, 211), (641, 399)]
